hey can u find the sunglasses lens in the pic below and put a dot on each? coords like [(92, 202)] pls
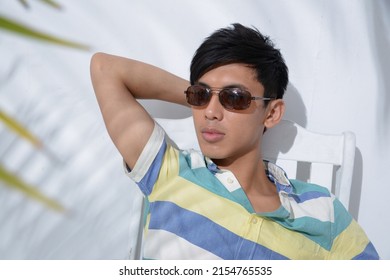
[(230, 98), (197, 96), (235, 99)]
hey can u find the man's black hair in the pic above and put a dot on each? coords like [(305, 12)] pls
[(240, 44)]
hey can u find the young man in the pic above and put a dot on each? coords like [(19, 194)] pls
[(224, 202)]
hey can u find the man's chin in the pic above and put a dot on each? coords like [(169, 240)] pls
[(212, 154)]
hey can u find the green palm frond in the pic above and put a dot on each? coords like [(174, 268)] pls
[(19, 129), (12, 180), (25, 134), (52, 4), (31, 191), (8, 178), (21, 29), (48, 2)]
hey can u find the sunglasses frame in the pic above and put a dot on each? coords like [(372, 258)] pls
[(220, 91)]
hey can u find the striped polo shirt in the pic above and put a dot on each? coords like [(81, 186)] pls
[(197, 211)]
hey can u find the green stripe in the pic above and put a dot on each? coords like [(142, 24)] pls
[(315, 230), (342, 217), (301, 187), (202, 177)]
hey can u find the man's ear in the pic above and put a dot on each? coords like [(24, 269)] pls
[(274, 113)]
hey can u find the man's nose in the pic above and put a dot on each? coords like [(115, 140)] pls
[(214, 110)]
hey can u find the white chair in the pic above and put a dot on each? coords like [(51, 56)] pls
[(323, 159)]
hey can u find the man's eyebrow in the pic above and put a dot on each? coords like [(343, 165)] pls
[(241, 86), (202, 84)]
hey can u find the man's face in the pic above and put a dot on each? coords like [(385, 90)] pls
[(225, 135)]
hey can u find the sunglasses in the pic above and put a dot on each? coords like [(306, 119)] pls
[(230, 98)]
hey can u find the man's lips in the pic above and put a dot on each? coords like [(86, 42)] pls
[(212, 135)]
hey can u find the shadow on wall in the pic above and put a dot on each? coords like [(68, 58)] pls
[(380, 21), (357, 180), (295, 112), (295, 108)]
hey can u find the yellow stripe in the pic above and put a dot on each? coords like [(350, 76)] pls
[(344, 247), (190, 196), (289, 243), (231, 215)]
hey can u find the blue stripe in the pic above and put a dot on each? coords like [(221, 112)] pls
[(303, 191), (299, 198), (369, 253), (206, 234), (150, 178)]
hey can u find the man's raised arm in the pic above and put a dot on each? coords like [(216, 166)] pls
[(118, 82)]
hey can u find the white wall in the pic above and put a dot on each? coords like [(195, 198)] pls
[(336, 52)]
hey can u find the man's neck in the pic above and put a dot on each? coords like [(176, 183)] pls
[(250, 172)]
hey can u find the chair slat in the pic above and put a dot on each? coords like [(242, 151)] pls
[(322, 174)]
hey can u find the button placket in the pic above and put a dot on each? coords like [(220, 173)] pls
[(255, 220)]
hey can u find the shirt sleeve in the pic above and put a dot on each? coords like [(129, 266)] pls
[(147, 167)]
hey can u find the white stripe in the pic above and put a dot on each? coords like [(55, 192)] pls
[(164, 245), (197, 159), (318, 208), (147, 156)]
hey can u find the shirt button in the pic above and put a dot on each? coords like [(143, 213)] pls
[(254, 220), (230, 180)]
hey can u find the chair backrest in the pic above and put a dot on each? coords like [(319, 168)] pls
[(322, 159)]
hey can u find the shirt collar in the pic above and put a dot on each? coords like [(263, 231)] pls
[(274, 173), (278, 176), (211, 166)]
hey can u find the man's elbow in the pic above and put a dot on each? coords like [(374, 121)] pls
[(98, 62)]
